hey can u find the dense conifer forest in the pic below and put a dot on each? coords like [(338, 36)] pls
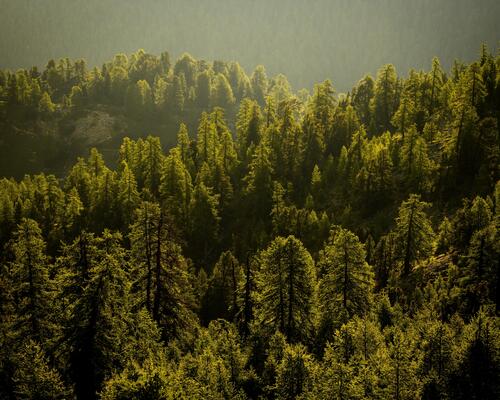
[(180, 229)]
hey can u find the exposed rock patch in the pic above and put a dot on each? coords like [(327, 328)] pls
[(95, 128)]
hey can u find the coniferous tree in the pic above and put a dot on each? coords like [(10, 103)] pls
[(384, 101), (221, 298), (286, 288), (294, 373), (176, 188), (347, 280), (161, 281), (204, 229), (414, 232), (32, 286), (97, 321), (35, 379)]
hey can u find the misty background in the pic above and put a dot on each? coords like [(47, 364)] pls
[(308, 41)]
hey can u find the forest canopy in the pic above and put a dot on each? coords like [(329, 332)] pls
[(183, 229)]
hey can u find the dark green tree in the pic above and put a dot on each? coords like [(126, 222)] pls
[(285, 295)]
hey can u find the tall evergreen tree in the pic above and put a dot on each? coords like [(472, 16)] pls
[(161, 283), (286, 288), (347, 280), (31, 284), (414, 232)]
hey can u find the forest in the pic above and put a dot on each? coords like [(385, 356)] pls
[(180, 229)]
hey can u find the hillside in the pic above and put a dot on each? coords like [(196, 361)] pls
[(187, 230)]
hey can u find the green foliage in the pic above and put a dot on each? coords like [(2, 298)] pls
[(46, 105), (285, 252), (347, 280), (35, 379), (31, 283), (294, 372), (286, 289), (414, 232), (221, 297), (161, 277), (384, 101)]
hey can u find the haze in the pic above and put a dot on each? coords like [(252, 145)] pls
[(308, 41)]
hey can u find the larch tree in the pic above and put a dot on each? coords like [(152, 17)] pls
[(96, 322), (248, 127), (259, 84), (204, 223), (128, 195), (403, 366), (222, 93), (482, 274), (295, 373), (34, 378), (31, 283), (221, 298), (437, 80), (346, 285), (152, 162), (384, 101), (414, 232), (415, 161), (176, 188), (286, 291), (362, 95), (204, 90), (259, 184), (404, 117), (162, 282), (184, 146)]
